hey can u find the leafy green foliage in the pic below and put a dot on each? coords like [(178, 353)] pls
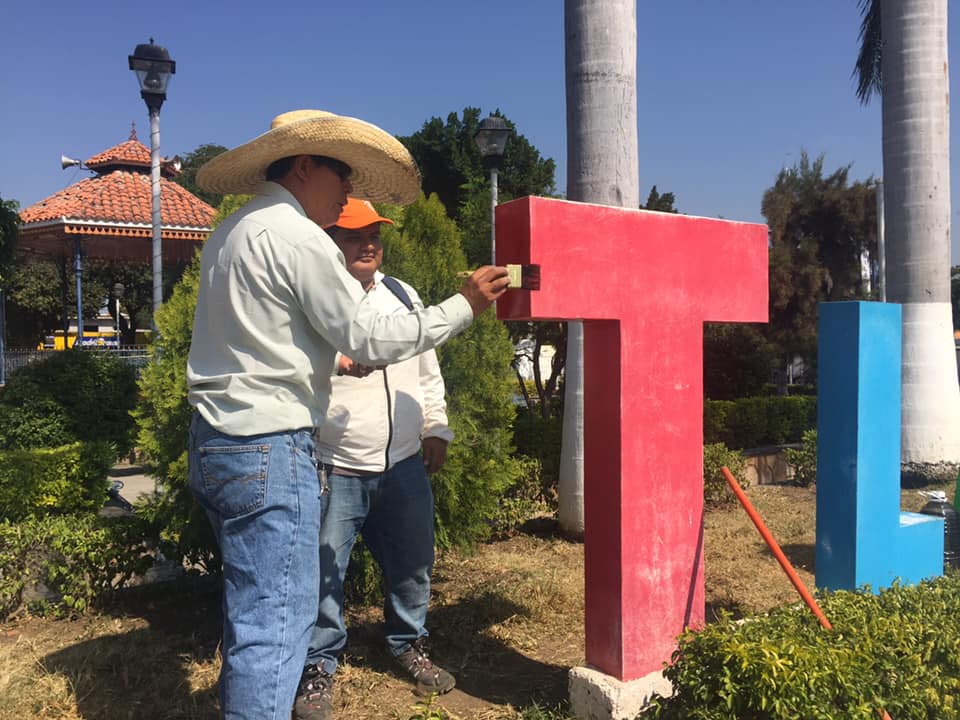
[(9, 228), (757, 421), (191, 163), (868, 71), (81, 560), (658, 202), (804, 460), (899, 650), (716, 493), (737, 360), (819, 225), (452, 167), (71, 395), (163, 419), (476, 370), (67, 479)]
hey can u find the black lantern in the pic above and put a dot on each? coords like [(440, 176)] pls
[(154, 67), (492, 138)]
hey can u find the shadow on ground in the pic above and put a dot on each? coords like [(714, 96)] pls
[(145, 673), (486, 667)]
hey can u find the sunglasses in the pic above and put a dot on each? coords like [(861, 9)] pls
[(340, 169)]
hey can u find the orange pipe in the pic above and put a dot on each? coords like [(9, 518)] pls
[(775, 548), (782, 559)]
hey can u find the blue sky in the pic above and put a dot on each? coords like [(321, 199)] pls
[(728, 92)]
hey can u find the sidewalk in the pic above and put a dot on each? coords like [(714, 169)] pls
[(135, 481)]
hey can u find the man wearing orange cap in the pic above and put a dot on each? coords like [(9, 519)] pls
[(386, 428)]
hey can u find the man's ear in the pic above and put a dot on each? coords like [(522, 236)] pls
[(302, 165)]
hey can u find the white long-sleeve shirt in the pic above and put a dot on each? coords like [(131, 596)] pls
[(376, 421), (275, 303)]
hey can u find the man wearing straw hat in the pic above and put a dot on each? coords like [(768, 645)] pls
[(275, 304)]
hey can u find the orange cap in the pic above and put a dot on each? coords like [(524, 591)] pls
[(358, 214)]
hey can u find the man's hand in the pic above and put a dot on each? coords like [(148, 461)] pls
[(434, 453), (483, 287), (347, 366)]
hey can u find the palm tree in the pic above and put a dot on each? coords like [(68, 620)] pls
[(600, 40), (903, 57)]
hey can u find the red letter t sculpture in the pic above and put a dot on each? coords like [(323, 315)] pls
[(643, 283)]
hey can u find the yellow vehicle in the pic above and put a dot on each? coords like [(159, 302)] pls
[(92, 337)]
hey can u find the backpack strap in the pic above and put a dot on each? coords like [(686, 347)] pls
[(397, 289)]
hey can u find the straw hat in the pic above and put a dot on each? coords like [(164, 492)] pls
[(383, 169)]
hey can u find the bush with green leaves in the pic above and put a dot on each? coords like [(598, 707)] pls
[(476, 369), (804, 460), (68, 479), (163, 418), (716, 492), (81, 560), (84, 395), (757, 421), (898, 650)]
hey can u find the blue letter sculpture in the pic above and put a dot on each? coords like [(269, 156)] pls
[(862, 537)]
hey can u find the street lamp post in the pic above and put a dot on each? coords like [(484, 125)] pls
[(492, 138), (154, 67), (118, 289)]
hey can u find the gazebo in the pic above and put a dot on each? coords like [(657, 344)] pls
[(109, 216)]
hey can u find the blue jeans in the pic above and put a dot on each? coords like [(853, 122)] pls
[(261, 494), (394, 512)]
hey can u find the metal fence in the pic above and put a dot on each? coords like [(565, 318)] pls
[(16, 358)]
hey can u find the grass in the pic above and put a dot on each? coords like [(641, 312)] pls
[(506, 619)]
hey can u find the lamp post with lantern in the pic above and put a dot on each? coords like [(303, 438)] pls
[(492, 138), (153, 67)]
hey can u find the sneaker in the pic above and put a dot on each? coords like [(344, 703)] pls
[(431, 679), (315, 695)]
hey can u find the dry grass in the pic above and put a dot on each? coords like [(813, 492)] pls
[(507, 619)]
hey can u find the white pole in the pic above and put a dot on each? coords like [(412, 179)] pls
[(157, 242)]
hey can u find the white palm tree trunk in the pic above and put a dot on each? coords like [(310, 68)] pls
[(602, 167), (916, 168)]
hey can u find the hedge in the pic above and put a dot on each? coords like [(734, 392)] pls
[(80, 561), (898, 650), (68, 479), (757, 421)]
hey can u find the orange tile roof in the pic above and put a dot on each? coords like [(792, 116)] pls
[(131, 152), (121, 197)]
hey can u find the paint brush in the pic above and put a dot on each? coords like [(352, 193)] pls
[(526, 277)]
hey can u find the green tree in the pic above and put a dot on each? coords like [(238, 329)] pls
[(193, 161), (425, 251), (451, 166), (658, 202), (819, 227)]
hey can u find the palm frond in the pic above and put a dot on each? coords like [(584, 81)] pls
[(867, 70)]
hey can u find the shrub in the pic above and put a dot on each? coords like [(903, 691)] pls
[(68, 479), (804, 460), (715, 490), (82, 560), (758, 421), (476, 369), (163, 419), (899, 650), (68, 396)]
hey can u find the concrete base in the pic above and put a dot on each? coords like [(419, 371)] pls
[(597, 696)]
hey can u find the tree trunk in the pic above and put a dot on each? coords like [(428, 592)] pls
[(602, 167), (916, 166)]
